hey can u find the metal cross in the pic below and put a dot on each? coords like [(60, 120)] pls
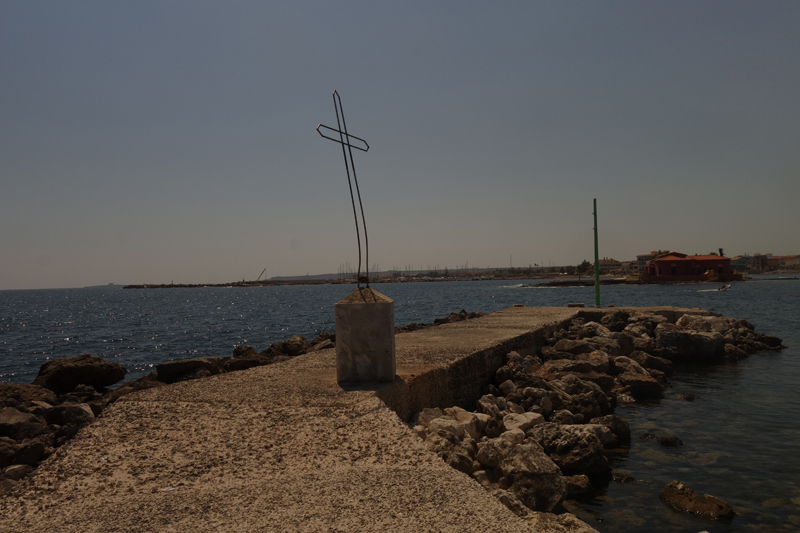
[(346, 139)]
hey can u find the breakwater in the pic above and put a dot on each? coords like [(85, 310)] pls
[(452, 359), (743, 410)]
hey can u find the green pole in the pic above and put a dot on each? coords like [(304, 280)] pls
[(596, 261)]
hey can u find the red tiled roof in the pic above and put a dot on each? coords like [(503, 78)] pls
[(670, 257)]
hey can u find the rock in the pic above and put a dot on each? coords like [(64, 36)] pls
[(533, 478), (33, 451), (597, 360), (7, 449), (513, 436), (491, 452), (621, 476), (24, 394), (641, 386), (243, 351), (644, 344), (472, 424), (491, 405), (458, 460), (670, 441), (578, 487), (486, 479), (557, 523), (324, 345), (649, 362), (183, 369), (449, 425), (574, 347), (563, 416), (682, 498), (616, 321), (608, 345), (769, 341), (733, 352), (70, 415), (676, 344), (149, 381), (245, 357), (427, 415), (507, 387), (585, 406), (18, 425), (325, 337), (625, 342), (63, 375), (524, 421), (592, 329), (440, 441), (17, 472), (7, 485), (576, 449), (626, 364), (510, 500), (494, 427), (295, 345), (617, 425)]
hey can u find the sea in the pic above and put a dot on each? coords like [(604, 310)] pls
[(741, 435)]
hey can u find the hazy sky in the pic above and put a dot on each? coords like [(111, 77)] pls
[(146, 142)]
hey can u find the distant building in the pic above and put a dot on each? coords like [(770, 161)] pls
[(765, 262), (742, 263), (791, 262), (641, 260), (629, 267), (608, 265), (675, 266)]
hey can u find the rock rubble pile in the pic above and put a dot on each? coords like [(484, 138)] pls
[(544, 429)]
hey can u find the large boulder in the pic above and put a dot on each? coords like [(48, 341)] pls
[(640, 386), (616, 321), (295, 345), (576, 449), (65, 374), (184, 369), (70, 415), (150, 381), (18, 425), (574, 347), (24, 394), (682, 498), (617, 425), (523, 421), (533, 477), (7, 450), (492, 452), (674, 343)]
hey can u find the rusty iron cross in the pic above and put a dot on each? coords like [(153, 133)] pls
[(350, 141)]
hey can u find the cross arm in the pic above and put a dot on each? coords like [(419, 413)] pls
[(343, 135)]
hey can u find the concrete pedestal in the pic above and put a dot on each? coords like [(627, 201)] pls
[(365, 337)]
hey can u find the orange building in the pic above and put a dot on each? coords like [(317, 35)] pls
[(675, 266)]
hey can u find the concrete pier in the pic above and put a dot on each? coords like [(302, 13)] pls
[(286, 448)]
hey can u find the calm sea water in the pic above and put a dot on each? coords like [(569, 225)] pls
[(741, 435)]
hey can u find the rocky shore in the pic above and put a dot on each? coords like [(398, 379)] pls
[(542, 434)]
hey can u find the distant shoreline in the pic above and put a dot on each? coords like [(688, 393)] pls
[(554, 282)]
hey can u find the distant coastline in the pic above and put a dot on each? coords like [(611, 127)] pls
[(555, 281)]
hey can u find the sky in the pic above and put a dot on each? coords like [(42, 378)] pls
[(158, 142)]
